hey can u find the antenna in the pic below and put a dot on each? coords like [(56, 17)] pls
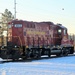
[(14, 9)]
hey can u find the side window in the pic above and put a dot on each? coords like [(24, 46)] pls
[(33, 25), (30, 26), (9, 26)]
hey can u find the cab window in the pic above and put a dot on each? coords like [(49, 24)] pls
[(18, 25), (65, 31)]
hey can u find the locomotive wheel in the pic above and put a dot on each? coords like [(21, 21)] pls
[(38, 55), (65, 53), (59, 55), (15, 55)]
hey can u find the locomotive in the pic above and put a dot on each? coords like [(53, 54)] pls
[(28, 39)]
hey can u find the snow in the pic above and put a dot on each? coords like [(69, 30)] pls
[(1, 59), (46, 66)]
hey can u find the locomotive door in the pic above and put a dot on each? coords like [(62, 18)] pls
[(17, 34)]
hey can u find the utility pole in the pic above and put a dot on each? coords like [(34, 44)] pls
[(14, 9)]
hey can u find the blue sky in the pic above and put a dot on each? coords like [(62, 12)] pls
[(44, 10)]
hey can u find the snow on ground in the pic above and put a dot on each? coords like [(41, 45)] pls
[(51, 66), (1, 59)]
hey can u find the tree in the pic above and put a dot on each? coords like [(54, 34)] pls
[(5, 18)]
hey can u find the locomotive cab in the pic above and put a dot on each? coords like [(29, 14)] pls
[(61, 32), (57, 35), (15, 33)]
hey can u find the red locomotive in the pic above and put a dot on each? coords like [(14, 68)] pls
[(34, 39)]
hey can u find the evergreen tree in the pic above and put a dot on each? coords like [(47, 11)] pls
[(6, 17)]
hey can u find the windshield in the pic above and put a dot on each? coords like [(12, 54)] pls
[(65, 31)]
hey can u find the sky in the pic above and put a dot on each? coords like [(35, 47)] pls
[(57, 11)]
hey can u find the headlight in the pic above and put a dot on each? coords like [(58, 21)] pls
[(15, 46)]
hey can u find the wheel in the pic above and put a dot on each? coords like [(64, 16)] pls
[(15, 55), (59, 55), (66, 52), (38, 55)]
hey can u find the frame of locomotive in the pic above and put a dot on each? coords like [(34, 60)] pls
[(34, 39)]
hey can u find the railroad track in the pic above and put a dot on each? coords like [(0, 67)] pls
[(30, 60)]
